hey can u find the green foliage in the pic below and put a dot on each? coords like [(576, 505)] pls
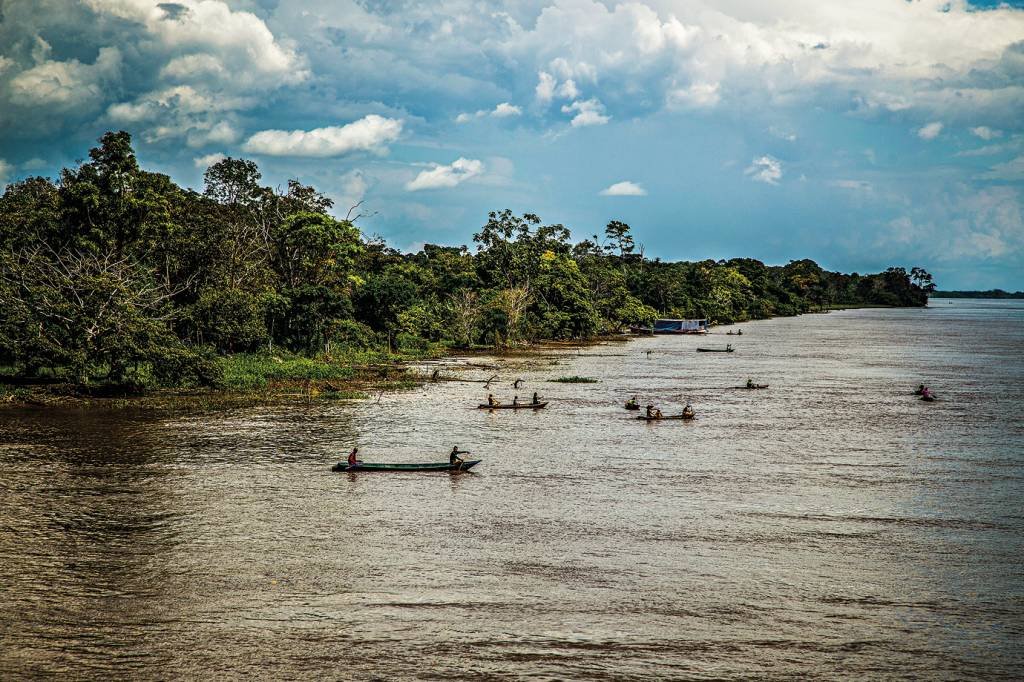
[(116, 274)]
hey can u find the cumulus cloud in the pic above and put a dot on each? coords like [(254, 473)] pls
[(986, 133), (62, 85), (624, 189), (588, 112), (765, 169), (371, 133), (696, 95), (930, 131), (503, 110), (545, 90), (451, 175), (208, 160)]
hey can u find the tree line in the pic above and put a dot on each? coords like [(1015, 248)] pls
[(116, 273)]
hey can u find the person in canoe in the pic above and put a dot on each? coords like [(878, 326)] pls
[(739, 332), (515, 400), (750, 383), (454, 458), (688, 411), (728, 346), (536, 398), (632, 404), (650, 411), (491, 401), (920, 390), (352, 458)]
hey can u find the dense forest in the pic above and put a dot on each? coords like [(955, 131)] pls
[(115, 274), (988, 293)]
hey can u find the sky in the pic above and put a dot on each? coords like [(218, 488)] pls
[(860, 134)]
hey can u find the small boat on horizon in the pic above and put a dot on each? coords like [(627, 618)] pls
[(727, 349)]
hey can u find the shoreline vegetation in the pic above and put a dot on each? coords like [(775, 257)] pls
[(119, 287), (990, 293)]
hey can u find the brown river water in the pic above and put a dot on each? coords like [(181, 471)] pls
[(832, 526)]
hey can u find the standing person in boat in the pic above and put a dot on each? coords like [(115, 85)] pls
[(454, 458), (515, 401), (352, 461), (536, 398)]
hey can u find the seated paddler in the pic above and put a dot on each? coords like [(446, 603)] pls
[(352, 458), (454, 458)]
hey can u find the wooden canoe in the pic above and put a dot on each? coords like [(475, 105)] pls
[(715, 350), (429, 466), (510, 406), (751, 388), (671, 416)]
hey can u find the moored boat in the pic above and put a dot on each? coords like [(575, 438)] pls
[(429, 466), (520, 406)]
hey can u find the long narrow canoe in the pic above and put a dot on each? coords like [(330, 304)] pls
[(430, 466), (510, 406), (715, 350), (751, 388), (671, 416)]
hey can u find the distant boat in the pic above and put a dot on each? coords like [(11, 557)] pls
[(667, 326), (684, 417), (751, 388), (716, 350), (510, 406), (431, 466)]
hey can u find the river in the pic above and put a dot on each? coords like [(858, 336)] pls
[(831, 526)]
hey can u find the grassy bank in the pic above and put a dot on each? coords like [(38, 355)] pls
[(246, 378)]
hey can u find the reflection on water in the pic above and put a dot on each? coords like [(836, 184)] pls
[(829, 526)]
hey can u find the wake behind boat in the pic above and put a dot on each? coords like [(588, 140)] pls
[(428, 466)]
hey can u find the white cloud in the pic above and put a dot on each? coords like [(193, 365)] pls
[(568, 89), (624, 189), (371, 133), (765, 169), (1012, 170), (697, 96), (5, 172), (588, 112), (545, 89), (986, 133), (930, 131), (208, 160), (505, 109), (354, 185), (439, 176), (68, 84)]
